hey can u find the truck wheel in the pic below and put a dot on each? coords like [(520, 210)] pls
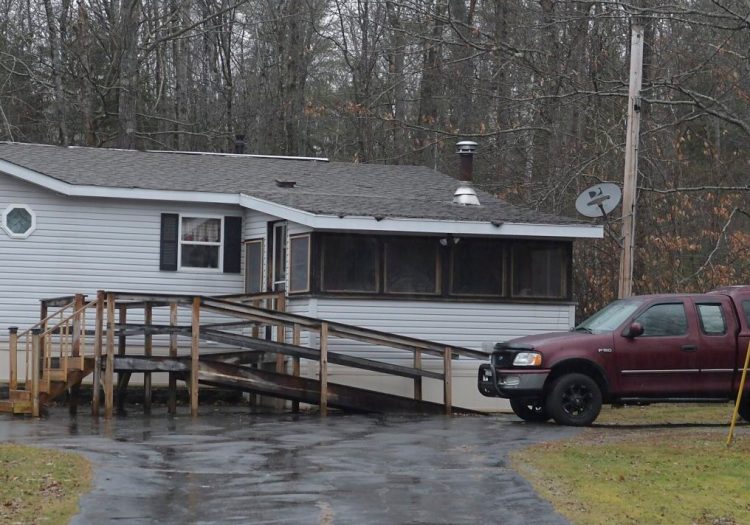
[(531, 411), (574, 400)]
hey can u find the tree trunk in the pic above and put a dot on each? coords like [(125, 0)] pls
[(430, 86), (57, 81), (128, 93)]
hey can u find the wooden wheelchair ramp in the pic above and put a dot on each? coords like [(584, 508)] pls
[(306, 390), (254, 331)]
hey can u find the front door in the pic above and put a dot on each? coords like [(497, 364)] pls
[(663, 362)]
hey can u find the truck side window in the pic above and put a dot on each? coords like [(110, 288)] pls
[(746, 308), (663, 320), (712, 319)]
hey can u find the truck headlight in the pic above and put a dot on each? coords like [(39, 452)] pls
[(527, 359)]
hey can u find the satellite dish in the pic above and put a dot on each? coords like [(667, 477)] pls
[(599, 200)]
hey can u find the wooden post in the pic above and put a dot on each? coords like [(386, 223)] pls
[(280, 358), (295, 361), (418, 380), (323, 369), (95, 400), (281, 338), (256, 329), (43, 312), (172, 396), (148, 317), (13, 352), (35, 342), (109, 389), (280, 361), (123, 378), (194, 356), (75, 353), (76, 335), (447, 383), (631, 163)]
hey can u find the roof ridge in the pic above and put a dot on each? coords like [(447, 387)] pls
[(207, 153)]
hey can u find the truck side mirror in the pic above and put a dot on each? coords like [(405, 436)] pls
[(634, 330)]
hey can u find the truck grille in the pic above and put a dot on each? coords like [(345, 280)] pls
[(502, 359)]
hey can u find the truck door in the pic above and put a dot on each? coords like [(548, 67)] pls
[(716, 351), (662, 362)]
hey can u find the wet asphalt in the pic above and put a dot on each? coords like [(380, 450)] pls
[(231, 465)]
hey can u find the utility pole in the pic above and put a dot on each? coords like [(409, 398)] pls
[(631, 163)]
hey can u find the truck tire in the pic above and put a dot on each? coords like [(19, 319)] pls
[(531, 411), (574, 400)]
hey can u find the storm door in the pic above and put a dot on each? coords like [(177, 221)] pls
[(277, 250)]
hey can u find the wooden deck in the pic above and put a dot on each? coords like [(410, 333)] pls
[(80, 338)]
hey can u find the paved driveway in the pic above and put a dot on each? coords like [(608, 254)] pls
[(232, 466)]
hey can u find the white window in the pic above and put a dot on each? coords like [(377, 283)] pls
[(201, 242), (19, 221)]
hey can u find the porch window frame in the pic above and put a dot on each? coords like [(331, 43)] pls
[(444, 261), (383, 274), (566, 277)]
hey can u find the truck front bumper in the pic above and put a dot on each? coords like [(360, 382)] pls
[(510, 382)]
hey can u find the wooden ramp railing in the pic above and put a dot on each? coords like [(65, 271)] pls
[(255, 326)]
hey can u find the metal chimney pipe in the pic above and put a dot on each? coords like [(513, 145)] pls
[(465, 150)]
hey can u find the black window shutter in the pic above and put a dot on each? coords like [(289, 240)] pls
[(168, 251), (232, 244)]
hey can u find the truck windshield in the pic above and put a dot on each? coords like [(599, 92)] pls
[(610, 317)]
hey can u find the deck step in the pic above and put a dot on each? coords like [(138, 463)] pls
[(15, 407), (20, 395), (54, 374), (54, 386)]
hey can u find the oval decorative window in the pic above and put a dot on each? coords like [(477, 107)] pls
[(19, 221)]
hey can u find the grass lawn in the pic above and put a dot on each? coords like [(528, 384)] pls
[(647, 465), (40, 485)]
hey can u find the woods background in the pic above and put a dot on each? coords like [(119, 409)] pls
[(541, 85)]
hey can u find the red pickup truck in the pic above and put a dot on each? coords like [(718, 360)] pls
[(640, 350)]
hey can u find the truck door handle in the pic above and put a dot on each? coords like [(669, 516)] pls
[(689, 348)]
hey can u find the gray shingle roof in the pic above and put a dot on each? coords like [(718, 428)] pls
[(326, 188)]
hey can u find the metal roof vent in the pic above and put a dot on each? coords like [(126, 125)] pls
[(466, 196), (466, 147)]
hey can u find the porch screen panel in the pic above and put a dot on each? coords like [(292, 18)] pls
[(477, 268), (540, 270), (349, 263), (411, 266)]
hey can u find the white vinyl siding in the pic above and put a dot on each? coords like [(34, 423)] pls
[(461, 324), (82, 245)]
